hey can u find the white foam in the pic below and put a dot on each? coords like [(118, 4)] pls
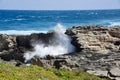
[(63, 45), (92, 13), (20, 32), (114, 23), (19, 19)]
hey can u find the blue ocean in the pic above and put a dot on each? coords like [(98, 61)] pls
[(26, 21)]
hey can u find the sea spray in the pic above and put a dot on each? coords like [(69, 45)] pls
[(61, 45)]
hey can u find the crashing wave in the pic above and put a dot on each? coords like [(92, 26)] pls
[(60, 45)]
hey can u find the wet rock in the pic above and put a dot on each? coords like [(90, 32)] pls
[(42, 38), (23, 41), (13, 47)]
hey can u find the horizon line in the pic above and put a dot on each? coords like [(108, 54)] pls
[(57, 9)]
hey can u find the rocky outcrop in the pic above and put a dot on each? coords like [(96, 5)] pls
[(8, 48), (115, 72), (91, 40), (7, 42), (13, 47), (95, 39), (26, 42), (97, 50), (58, 62)]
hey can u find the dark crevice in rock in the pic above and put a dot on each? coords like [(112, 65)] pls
[(117, 43), (77, 46)]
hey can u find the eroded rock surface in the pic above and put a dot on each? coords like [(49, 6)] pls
[(97, 50), (96, 39), (91, 40)]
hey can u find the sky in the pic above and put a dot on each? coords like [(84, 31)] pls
[(59, 4)]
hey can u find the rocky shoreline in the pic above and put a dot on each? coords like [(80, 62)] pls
[(97, 50)]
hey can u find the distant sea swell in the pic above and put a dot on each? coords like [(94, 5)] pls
[(27, 22)]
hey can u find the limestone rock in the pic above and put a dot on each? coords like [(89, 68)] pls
[(7, 42), (99, 73), (115, 72), (97, 39), (88, 40), (117, 78)]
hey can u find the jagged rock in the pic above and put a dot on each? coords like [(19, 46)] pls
[(42, 38), (96, 39), (23, 41), (88, 41), (99, 73), (26, 42), (59, 63), (37, 61), (7, 42), (12, 56), (65, 63), (8, 48), (114, 72), (56, 62)]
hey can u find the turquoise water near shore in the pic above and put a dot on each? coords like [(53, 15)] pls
[(21, 21)]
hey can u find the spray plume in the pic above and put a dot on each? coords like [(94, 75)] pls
[(63, 45)]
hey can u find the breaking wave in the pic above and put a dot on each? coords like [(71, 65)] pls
[(20, 32), (63, 45), (114, 23)]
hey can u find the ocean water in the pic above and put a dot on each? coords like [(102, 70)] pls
[(26, 22)]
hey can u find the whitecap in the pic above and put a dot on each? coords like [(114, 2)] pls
[(19, 19), (114, 24), (20, 32)]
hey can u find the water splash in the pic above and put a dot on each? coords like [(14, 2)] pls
[(63, 45)]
